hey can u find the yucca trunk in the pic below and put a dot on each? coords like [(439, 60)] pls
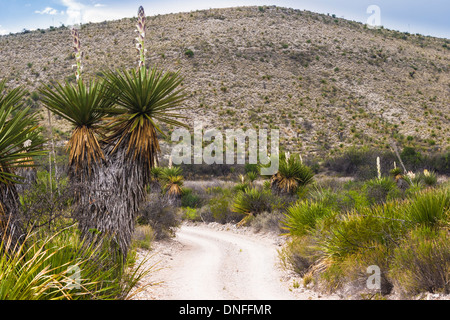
[(118, 190), (10, 224)]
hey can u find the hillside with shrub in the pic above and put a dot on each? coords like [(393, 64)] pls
[(325, 82)]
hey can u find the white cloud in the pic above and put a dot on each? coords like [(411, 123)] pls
[(47, 10), (78, 12), (3, 31)]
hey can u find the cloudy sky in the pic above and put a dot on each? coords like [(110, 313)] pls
[(429, 17)]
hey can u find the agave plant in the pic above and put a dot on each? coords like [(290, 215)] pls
[(292, 174), (19, 142)]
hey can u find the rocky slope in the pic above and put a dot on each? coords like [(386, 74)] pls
[(325, 82)]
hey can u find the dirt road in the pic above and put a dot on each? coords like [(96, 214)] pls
[(203, 263)]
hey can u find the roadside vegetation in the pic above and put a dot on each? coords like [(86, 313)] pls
[(74, 217)]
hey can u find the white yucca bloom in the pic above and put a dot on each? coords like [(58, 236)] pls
[(426, 173), (411, 175), (378, 167), (27, 143), (140, 29)]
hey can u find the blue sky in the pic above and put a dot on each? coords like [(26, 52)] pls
[(429, 17)]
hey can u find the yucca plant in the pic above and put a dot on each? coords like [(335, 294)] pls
[(302, 217), (251, 202), (429, 207), (173, 182), (292, 175), (62, 266), (19, 142), (143, 99), (84, 106)]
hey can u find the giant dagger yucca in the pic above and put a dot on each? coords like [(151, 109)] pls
[(19, 142), (84, 106), (144, 99)]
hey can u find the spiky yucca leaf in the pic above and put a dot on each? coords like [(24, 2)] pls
[(19, 135), (19, 142), (173, 181), (84, 106), (291, 175), (144, 98)]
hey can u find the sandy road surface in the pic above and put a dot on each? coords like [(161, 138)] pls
[(203, 263)]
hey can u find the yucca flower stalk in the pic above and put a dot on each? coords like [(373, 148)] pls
[(78, 53), (378, 168), (140, 45)]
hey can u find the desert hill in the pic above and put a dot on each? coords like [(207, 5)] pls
[(326, 83)]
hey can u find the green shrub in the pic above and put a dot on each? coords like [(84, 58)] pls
[(292, 175), (380, 190), (302, 217), (220, 206), (191, 214), (62, 266), (161, 215), (299, 254), (429, 207), (189, 199), (343, 235), (422, 262), (252, 202), (143, 237)]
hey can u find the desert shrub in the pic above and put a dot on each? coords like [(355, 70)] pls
[(381, 190), (161, 215), (62, 266), (429, 207), (47, 202), (268, 221), (346, 234), (302, 217), (252, 201), (220, 207), (361, 162), (422, 262), (191, 214), (440, 162), (143, 236), (406, 238), (350, 275), (189, 199), (292, 175), (343, 199), (411, 158), (427, 178), (249, 167), (299, 254)]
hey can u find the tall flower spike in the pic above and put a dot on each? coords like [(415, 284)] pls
[(378, 168), (141, 37), (78, 53)]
